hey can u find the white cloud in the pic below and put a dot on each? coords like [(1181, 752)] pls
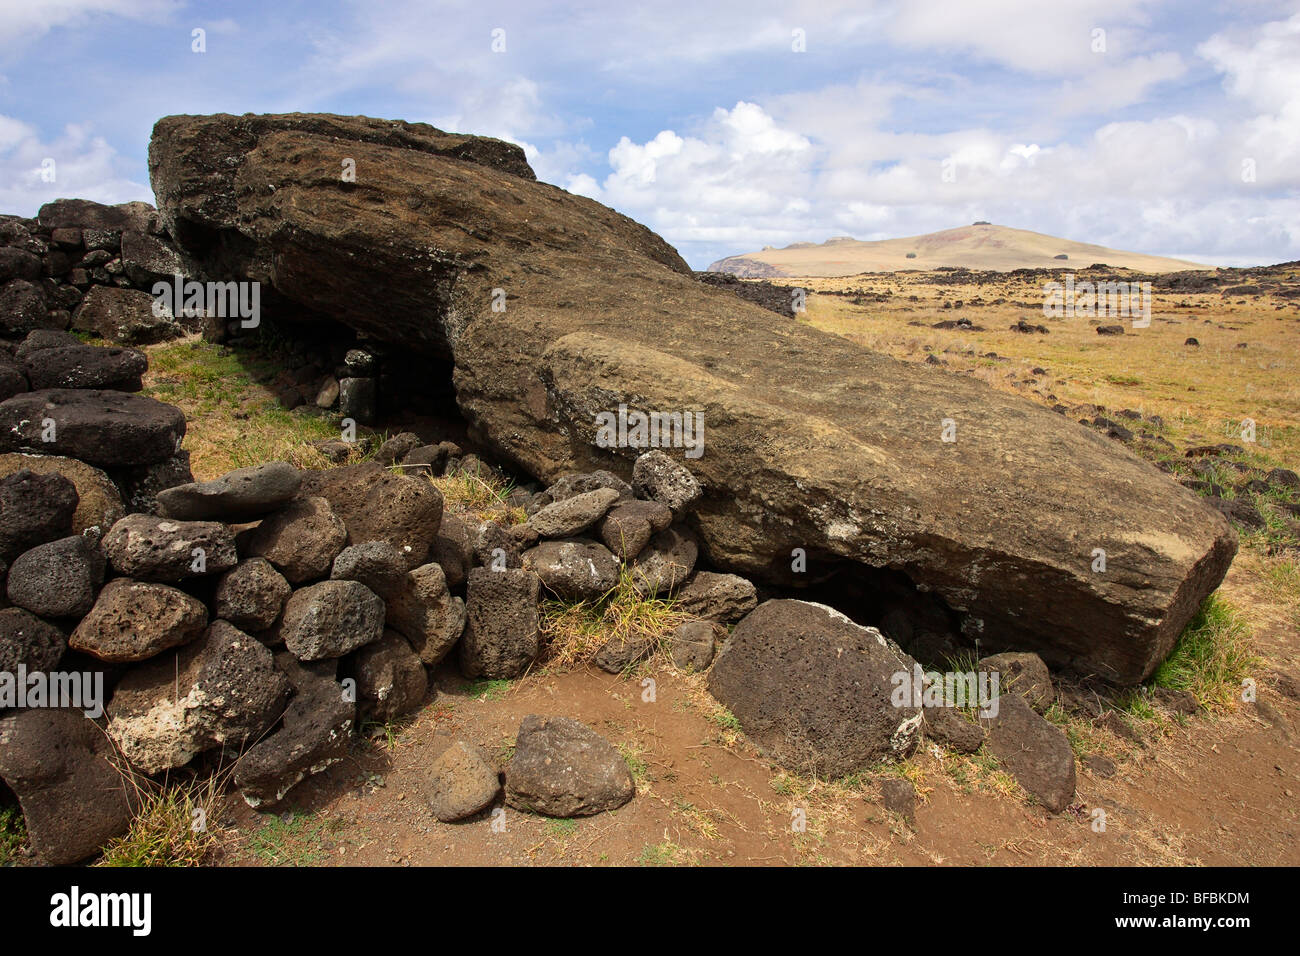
[(83, 166), (22, 21)]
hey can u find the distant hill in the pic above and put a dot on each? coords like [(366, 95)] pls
[(979, 246)]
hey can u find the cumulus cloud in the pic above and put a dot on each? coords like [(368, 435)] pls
[(74, 164)]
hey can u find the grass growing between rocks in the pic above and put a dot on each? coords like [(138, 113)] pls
[(573, 632), (174, 826), (1211, 658), (482, 496), (13, 835)]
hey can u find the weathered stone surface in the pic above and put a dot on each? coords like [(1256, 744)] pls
[(125, 316), (27, 640), (574, 569), (88, 214), (1033, 751), (146, 259), (580, 483), (563, 768), (460, 783), (34, 508), (666, 562), (658, 476), (426, 613), (104, 428), (134, 620), (376, 564), (947, 727), (502, 628), (58, 763), (301, 540), (85, 366), (391, 680), (814, 688), (22, 307), (619, 653), (223, 689), (331, 619), (451, 550), (1023, 674), (142, 484), (693, 644), (725, 598), (150, 548), (240, 495), (315, 734), (628, 527), (573, 515), (812, 441), (57, 579), (251, 595), (376, 505)]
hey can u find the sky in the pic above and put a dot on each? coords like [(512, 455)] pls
[(1170, 128)]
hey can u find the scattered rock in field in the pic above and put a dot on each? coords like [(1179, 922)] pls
[(1033, 751), (563, 768), (149, 548), (571, 516), (1237, 511), (949, 729), (251, 595), (57, 579), (74, 800), (1110, 330), (664, 479), (220, 690), (240, 495), (331, 619), (397, 448), (666, 562), (301, 540), (725, 598), (1099, 766), (135, 620), (103, 428), (460, 783), (575, 569), (815, 689), (693, 644), (28, 641), (1283, 478), (1021, 673), (426, 613), (502, 634), (899, 796), (391, 680)]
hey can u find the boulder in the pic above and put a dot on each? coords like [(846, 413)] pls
[(376, 505), (946, 726), (150, 548), (135, 620), (315, 734), (666, 562), (376, 564), (1023, 674), (571, 516), (814, 442), (12, 379), (563, 768), (301, 540), (426, 613), (45, 339), (251, 595), (692, 644), (147, 259), (57, 579), (391, 680), (331, 619), (460, 782), (620, 653), (221, 690), (241, 495), (86, 214), (103, 428), (29, 642), (580, 483), (125, 316), (396, 449), (575, 569), (22, 308), (451, 550), (725, 598), (1032, 750), (59, 764), (86, 366), (141, 485), (629, 525), (815, 689), (659, 477), (502, 627), (34, 508)]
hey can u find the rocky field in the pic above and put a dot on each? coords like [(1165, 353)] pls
[(363, 580)]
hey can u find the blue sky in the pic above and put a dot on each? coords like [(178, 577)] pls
[(1169, 128)]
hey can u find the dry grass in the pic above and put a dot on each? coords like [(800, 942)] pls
[(175, 824), (482, 496)]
